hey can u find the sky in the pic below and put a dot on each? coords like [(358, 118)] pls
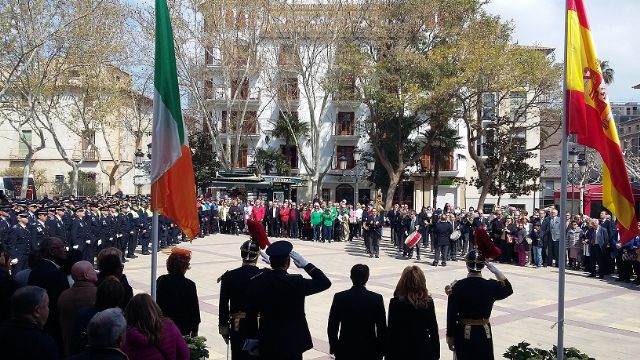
[(615, 27)]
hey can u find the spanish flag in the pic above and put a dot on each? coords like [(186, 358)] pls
[(172, 180), (589, 117)]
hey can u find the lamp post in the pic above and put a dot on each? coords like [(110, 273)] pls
[(576, 175), (139, 165)]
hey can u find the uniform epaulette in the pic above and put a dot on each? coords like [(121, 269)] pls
[(256, 275), (449, 288), (221, 276)]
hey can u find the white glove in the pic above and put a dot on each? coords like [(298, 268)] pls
[(88, 242), (110, 239), (14, 262), (491, 267), (75, 247), (265, 257), (99, 242), (298, 259)]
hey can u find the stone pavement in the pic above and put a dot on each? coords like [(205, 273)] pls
[(602, 317)]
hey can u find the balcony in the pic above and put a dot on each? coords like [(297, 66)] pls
[(18, 154), (86, 154), (220, 99)]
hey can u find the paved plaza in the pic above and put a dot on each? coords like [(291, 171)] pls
[(601, 315)]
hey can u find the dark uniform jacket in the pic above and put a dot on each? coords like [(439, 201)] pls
[(472, 298), (80, 233), (178, 298), (38, 233), (359, 316), (278, 298), (442, 232), (55, 227), (19, 242), (5, 228)]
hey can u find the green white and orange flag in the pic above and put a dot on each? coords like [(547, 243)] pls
[(589, 117), (172, 180)]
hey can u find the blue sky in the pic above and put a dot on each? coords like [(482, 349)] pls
[(614, 26)]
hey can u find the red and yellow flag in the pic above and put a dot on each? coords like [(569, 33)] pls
[(590, 118)]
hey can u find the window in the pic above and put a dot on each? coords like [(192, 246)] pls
[(88, 144), (347, 152), (288, 89), (59, 179), (326, 195), (520, 140), (517, 103), (249, 122), (448, 164), (208, 89), (345, 123), (487, 134), (23, 148), (212, 56), (489, 106), (287, 55), (290, 152), (240, 89)]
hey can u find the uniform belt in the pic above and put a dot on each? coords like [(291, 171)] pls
[(235, 320), (468, 323)]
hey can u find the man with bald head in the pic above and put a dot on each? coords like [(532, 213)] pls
[(82, 294)]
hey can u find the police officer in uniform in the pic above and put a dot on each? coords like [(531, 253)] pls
[(5, 224), (81, 236), (233, 300), (19, 243), (39, 230), (277, 298), (470, 303)]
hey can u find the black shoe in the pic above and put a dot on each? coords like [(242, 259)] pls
[(591, 275), (131, 256), (435, 263), (443, 264), (418, 258), (370, 255), (146, 253), (377, 256)]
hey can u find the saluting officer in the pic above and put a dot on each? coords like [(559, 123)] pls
[(232, 310), (470, 303), (277, 298), (19, 243)]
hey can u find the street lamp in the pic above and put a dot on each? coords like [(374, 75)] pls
[(139, 157), (356, 155), (371, 165), (576, 175), (149, 147), (138, 164), (342, 162)]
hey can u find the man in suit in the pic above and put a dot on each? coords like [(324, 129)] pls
[(375, 222), (597, 248), (359, 316), (554, 234), (277, 299), (545, 235), (395, 222), (46, 274)]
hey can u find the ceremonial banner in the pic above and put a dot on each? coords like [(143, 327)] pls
[(173, 183), (589, 117)]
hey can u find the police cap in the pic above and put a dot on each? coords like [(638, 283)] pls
[(280, 249)]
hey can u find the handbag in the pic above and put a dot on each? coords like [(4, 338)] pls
[(455, 235), (529, 240)]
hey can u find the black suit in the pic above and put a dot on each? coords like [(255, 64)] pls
[(49, 277), (360, 316), (26, 341), (413, 332), (278, 299)]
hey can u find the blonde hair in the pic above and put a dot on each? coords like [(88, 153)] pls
[(412, 287)]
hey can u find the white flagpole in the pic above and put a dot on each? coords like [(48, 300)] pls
[(563, 194), (154, 254)]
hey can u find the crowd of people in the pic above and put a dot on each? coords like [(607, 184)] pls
[(525, 239), (68, 309)]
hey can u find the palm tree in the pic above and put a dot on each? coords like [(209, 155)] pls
[(289, 128), (441, 141), (607, 72), (268, 159)]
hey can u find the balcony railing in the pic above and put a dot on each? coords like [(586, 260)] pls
[(86, 154)]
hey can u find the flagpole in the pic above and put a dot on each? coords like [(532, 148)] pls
[(154, 254), (563, 193)]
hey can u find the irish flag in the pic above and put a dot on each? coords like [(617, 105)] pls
[(172, 180), (590, 118)]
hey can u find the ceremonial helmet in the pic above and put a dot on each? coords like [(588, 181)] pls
[(475, 260), (249, 250)]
